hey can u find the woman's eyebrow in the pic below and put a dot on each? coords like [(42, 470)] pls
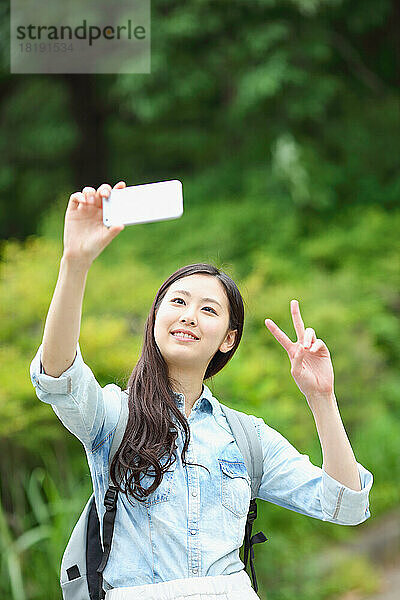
[(186, 293)]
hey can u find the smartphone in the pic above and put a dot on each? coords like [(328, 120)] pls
[(144, 203)]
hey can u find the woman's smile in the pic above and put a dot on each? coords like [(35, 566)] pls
[(183, 337)]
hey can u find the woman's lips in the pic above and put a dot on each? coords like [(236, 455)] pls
[(183, 339)]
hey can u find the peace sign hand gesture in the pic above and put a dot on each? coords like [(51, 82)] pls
[(311, 365)]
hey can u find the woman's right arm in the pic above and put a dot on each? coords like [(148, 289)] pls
[(61, 331), (85, 237)]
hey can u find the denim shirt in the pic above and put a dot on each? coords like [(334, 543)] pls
[(193, 524)]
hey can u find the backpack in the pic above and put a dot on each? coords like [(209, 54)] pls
[(84, 560)]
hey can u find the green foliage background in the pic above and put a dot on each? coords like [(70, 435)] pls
[(281, 120)]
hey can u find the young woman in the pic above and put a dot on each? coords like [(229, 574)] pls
[(185, 491)]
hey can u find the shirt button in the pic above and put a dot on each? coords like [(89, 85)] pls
[(193, 531), (194, 493), (194, 570)]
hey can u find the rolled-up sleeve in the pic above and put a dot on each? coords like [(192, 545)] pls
[(86, 409), (290, 480)]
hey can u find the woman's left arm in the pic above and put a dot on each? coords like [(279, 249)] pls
[(338, 457), (312, 370)]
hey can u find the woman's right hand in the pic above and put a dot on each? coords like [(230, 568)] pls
[(85, 235)]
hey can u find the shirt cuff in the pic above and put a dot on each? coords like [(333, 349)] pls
[(56, 385), (344, 505)]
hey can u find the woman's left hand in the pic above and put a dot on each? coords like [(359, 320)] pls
[(311, 365)]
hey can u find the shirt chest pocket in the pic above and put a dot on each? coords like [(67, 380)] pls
[(235, 487)]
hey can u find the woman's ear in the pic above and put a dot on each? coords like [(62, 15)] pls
[(229, 341)]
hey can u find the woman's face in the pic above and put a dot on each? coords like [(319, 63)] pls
[(196, 303)]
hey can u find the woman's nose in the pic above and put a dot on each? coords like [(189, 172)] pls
[(188, 319)]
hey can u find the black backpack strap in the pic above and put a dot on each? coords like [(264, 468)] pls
[(245, 433), (111, 496), (250, 540)]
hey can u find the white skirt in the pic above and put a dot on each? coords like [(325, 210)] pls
[(236, 586)]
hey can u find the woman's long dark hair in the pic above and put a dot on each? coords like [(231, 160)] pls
[(150, 432)]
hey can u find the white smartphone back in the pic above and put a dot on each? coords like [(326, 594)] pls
[(144, 203)]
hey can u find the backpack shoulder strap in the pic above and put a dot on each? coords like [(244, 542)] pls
[(244, 431), (120, 427)]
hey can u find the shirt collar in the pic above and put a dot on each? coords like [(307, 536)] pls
[(206, 402)]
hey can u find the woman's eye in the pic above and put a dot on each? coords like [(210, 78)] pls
[(174, 300), (210, 309)]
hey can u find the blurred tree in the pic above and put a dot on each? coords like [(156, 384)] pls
[(234, 86)]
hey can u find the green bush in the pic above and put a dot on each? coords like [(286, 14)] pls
[(348, 292)]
